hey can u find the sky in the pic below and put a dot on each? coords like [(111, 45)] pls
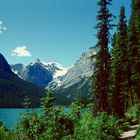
[(50, 30)]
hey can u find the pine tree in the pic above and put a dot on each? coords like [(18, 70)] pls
[(47, 102), (26, 103), (119, 67), (76, 106), (134, 49), (102, 64)]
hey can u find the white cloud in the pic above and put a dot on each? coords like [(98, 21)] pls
[(21, 52), (2, 27)]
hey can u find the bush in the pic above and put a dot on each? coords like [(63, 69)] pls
[(78, 124), (138, 133), (31, 126), (5, 134), (2, 131), (101, 127), (133, 112)]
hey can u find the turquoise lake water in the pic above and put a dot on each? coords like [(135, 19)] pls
[(10, 116)]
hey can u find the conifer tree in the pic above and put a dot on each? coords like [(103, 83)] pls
[(26, 103), (102, 64), (47, 102), (77, 106), (134, 49), (119, 67)]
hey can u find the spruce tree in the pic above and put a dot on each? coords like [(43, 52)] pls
[(47, 102), (102, 64), (119, 67), (26, 103), (134, 49)]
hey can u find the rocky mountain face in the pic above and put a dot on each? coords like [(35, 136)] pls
[(13, 90), (17, 68), (65, 82), (40, 73), (76, 79)]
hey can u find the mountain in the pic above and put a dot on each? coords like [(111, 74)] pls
[(40, 73), (76, 79), (4, 66), (13, 90), (65, 82)]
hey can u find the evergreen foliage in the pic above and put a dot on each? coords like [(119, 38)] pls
[(100, 127), (26, 103), (102, 64), (134, 48), (60, 125), (121, 78), (76, 107), (119, 65), (47, 102)]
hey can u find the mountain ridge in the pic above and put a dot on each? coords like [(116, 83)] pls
[(71, 80), (13, 90), (77, 79), (40, 73)]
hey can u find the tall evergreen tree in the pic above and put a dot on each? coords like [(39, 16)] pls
[(134, 49), (119, 67), (102, 64)]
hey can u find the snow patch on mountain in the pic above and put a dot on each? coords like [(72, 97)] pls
[(61, 72), (15, 71), (57, 69), (58, 76), (40, 72)]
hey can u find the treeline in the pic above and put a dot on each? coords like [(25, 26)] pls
[(59, 123), (115, 96), (117, 71)]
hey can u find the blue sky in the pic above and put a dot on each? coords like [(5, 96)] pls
[(51, 30)]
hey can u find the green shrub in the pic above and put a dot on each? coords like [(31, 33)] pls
[(78, 124), (133, 112), (101, 127), (138, 133), (6, 134), (2, 132), (31, 126)]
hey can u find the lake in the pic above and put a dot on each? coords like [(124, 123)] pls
[(10, 116)]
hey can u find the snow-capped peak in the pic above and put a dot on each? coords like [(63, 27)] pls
[(52, 64), (59, 69), (41, 72)]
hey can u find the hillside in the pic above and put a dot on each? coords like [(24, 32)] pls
[(75, 80), (13, 90)]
